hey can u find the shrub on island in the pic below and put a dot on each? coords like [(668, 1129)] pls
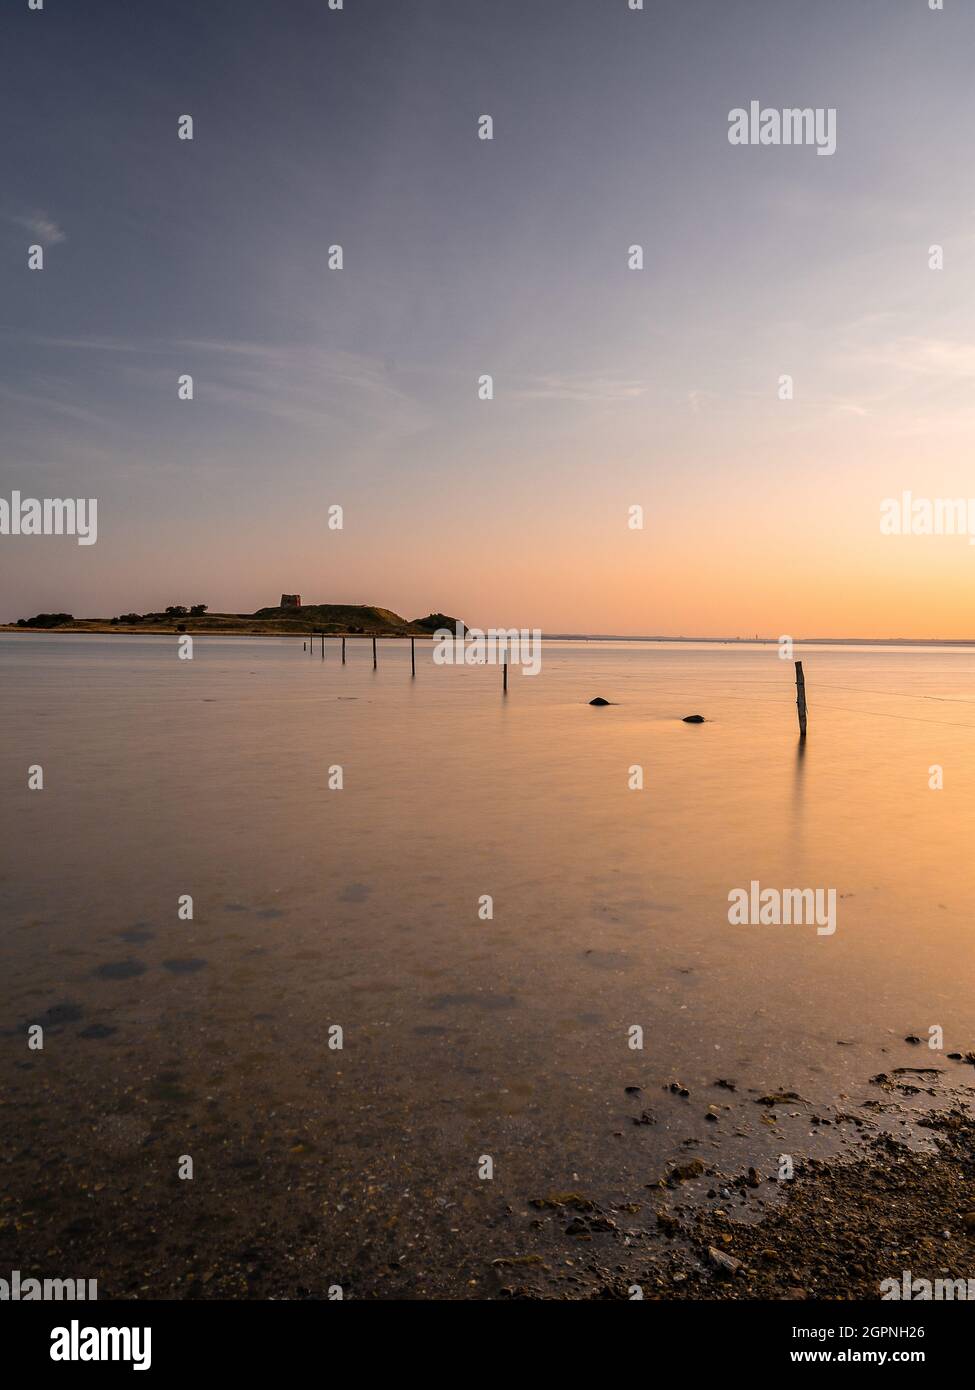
[(46, 620)]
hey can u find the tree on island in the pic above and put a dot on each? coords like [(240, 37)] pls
[(179, 610), (175, 610), (46, 620)]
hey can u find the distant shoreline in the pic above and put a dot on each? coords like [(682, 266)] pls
[(191, 629), (212, 627), (772, 641)]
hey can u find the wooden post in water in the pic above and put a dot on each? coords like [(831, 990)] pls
[(323, 644), (343, 651), (374, 653), (801, 699), (413, 655), (506, 678)]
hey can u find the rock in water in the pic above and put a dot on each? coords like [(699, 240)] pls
[(599, 701), (689, 718), (725, 1264)]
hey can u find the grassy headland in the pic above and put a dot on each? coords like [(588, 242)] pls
[(331, 618)]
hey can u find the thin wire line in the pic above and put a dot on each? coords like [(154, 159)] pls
[(910, 718)]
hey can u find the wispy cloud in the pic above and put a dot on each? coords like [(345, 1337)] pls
[(700, 400), (53, 398), (295, 380), (41, 227), (86, 344), (946, 358), (581, 388)]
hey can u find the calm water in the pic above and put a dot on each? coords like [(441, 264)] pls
[(359, 907)]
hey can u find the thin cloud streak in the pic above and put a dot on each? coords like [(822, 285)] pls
[(42, 227)]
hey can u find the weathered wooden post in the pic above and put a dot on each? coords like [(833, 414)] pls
[(801, 699), (506, 678), (343, 651), (323, 644), (413, 655), (374, 653)]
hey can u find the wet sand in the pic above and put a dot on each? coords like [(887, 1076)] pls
[(99, 1198)]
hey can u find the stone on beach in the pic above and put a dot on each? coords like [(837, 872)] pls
[(725, 1264)]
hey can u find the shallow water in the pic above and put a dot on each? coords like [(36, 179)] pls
[(359, 907)]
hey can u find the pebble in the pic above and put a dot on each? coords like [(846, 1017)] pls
[(726, 1263)]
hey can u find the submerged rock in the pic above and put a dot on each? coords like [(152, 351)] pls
[(600, 701), (684, 1172), (690, 718), (780, 1098), (574, 1200), (647, 1117), (725, 1264)]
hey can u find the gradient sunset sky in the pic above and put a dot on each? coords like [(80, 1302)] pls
[(612, 387)]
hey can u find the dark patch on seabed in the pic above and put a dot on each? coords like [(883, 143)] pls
[(52, 1020), (184, 967), (98, 1030), (477, 1001), (59, 1014), (120, 970), (354, 893), (136, 935)]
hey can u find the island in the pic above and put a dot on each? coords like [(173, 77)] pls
[(285, 619)]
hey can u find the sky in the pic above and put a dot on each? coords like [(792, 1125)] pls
[(613, 388)]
